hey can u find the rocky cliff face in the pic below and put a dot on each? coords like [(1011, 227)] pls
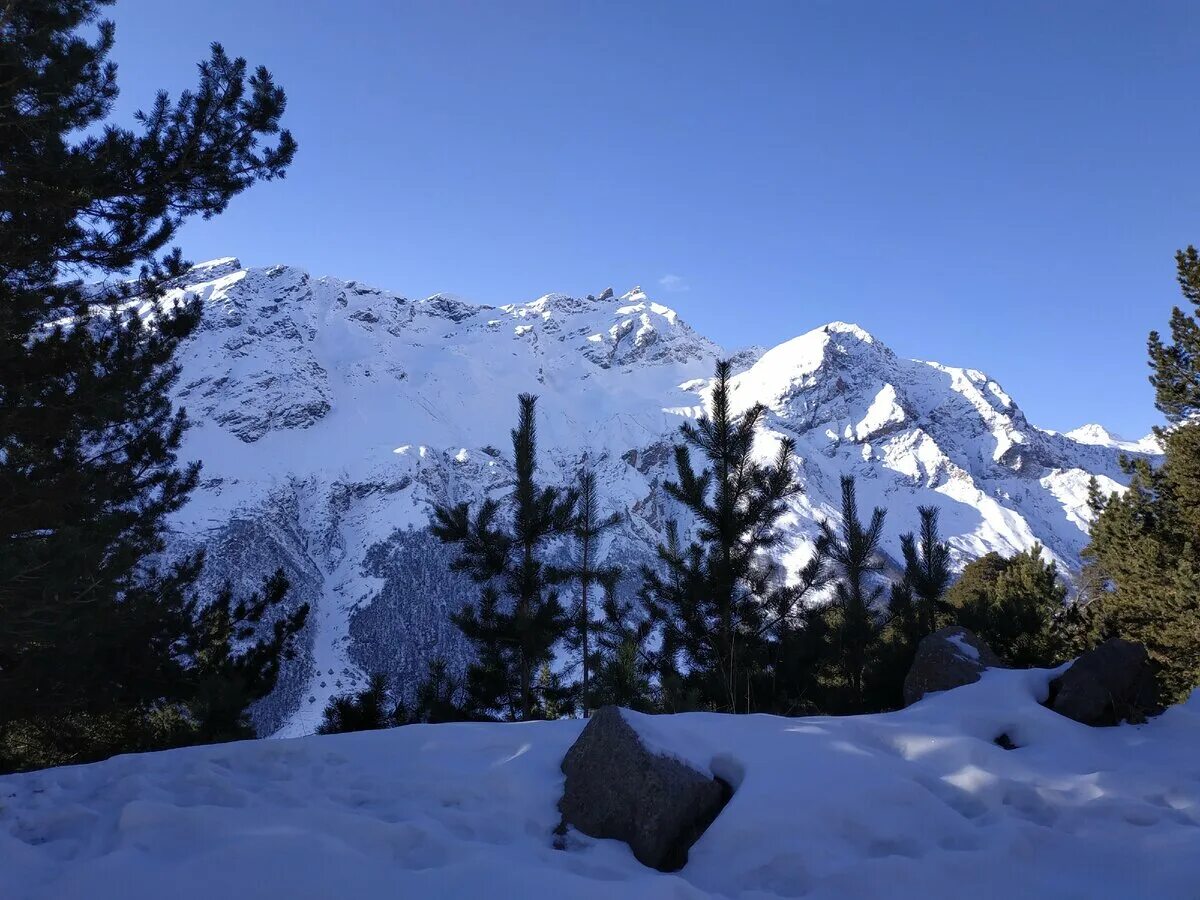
[(330, 415)]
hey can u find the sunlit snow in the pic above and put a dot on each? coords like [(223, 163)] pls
[(916, 804)]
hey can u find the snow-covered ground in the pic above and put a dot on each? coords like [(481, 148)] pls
[(919, 803)]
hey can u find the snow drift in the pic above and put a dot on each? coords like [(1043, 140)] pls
[(920, 803)]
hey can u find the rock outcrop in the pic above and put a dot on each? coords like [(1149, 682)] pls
[(617, 788), (948, 658), (1111, 684)]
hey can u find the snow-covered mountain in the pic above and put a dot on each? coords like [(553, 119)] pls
[(330, 415)]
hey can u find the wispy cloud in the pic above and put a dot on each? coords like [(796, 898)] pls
[(675, 284)]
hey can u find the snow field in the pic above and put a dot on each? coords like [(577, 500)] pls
[(919, 803)]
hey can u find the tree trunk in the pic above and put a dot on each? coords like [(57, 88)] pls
[(584, 624)]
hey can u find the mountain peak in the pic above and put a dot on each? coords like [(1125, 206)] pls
[(212, 269), (848, 328), (802, 356), (1098, 436), (1093, 433)]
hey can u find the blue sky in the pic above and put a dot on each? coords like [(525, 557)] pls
[(997, 185)]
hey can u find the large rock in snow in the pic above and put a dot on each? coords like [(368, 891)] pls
[(617, 788), (948, 658), (1113, 683)]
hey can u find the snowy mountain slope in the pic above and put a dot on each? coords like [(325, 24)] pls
[(330, 415), (920, 803), (1101, 436)]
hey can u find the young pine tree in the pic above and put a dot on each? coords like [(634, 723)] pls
[(927, 569), (712, 599), (439, 698), (790, 682), (625, 662), (916, 606), (589, 526), (365, 710), (918, 601), (88, 436), (1145, 547), (519, 619), (854, 552)]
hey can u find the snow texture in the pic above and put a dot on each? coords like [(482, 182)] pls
[(966, 650), (914, 804), (330, 415)]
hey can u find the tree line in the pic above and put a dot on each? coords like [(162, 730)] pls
[(715, 624)]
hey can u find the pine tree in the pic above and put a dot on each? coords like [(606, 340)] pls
[(854, 552), (439, 698), (226, 657), (915, 607), (1014, 604), (625, 661), (793, 683), (512, 641), (621, 679), (232, 662), (904, 620), (927, 573), (1176, 365), (90, 624), (713, 598), (660, 595), (587, 530), (365, 710), (1145, 543), (1143, 555)]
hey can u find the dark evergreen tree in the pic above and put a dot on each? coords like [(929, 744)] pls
[(439, 698), (1176, 365), (1145, 547), (625, 662), (1015, 604), (663, 590), (927, 573), (513, 640), (1143, 554), (554, 694), (588, 572), (232, 661), (713, 599), (854, 550), (365, 710), (795, 681), (90, 624), (904, 620), (202, 688)]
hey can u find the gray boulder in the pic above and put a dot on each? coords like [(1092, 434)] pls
[(616, 788), (948, 658), (1115, 682)]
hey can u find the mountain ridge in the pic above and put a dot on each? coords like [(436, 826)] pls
[(330, 415)]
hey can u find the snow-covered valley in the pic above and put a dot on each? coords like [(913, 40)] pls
[(330, 415), (914, 804)]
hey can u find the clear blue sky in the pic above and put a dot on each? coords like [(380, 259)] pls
[(998, 185)]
